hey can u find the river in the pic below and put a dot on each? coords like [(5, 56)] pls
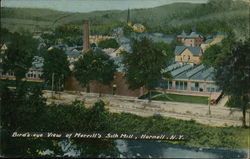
[(156, 149), (90, 5)]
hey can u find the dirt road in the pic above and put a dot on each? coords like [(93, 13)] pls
[(220, 116)]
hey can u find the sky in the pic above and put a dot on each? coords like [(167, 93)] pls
[(90, 5)]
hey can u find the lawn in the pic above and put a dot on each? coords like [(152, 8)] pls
[(181, 98), (176, 98)]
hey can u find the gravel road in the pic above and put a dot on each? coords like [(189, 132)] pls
[(220, 116)]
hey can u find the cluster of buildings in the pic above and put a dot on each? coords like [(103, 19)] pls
[(189, 76), (34, 74)]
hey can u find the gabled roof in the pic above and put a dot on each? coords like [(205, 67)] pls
[(194, 50), (192, 35), (4, 47), (182, 35)]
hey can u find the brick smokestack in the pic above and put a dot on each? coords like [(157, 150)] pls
[(86, 45)]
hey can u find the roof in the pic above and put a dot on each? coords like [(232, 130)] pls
[(118, 61), (73, 52), (4, 47), (189, 72), (194, 50), (157, 37), (109, 50), (193, 34), (173, 66), (182, 35), (208, 41), (206, 74), (180, 70), (37, 62), (138, 25), (124, 42)]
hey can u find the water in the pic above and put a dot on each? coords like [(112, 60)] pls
[(90, 5), (155, 149)]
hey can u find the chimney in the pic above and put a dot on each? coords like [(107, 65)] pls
[(86, 45)]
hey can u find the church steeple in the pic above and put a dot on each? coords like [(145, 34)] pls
[(128, 18)]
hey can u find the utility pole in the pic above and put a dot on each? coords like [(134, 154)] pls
[(52, 86), (209, 99), (59, 85)]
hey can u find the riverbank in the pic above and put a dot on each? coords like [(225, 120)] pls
[(199, 135)]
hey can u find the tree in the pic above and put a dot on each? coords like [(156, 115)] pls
[(145, 63), (95, 65), (211, 55), (233, 73), (108, 43), (215, 54), (19, 55), (127, 30), (56, 67)]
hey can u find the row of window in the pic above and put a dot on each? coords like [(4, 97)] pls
[(31, 75), (195, 86), (28, 75), (6, 74)]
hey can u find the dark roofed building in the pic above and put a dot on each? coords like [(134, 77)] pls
[(193, 39), (190, 78)]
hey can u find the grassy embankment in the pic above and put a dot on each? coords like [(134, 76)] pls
[(199, 134)]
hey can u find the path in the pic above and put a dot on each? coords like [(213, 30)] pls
[(220, 116)]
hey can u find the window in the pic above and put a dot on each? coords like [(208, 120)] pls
[(196, 84), (170, 85), (185, 86)]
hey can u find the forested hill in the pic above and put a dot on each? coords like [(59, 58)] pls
[(213, 16)]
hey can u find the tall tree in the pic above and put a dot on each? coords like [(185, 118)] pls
[(56, 67), (215, 54), (19, 55), (233, 75), (108, 43), (144, 65), (212, 55), (95, 65)]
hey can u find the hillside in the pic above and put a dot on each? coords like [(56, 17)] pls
[(234, 14)]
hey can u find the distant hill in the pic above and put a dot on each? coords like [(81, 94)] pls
[(235, 14)]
